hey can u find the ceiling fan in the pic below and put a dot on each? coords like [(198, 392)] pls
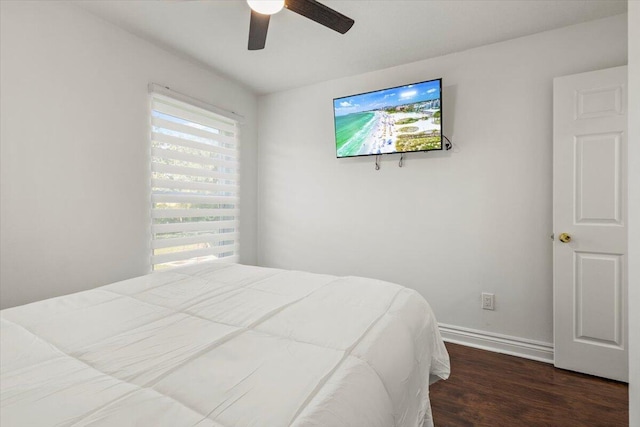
[(261, 11)]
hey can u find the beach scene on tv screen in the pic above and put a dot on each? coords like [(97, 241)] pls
[(395, 120)]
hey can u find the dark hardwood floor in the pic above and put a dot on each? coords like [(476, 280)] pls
[(491, 389)]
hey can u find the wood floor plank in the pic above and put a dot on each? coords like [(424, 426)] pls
[(491, 389)]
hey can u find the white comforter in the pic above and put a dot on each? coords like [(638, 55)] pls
[(223, 345)]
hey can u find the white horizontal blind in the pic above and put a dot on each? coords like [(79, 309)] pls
[(194, 179)]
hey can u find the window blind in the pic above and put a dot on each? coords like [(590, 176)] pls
[(194, 180)]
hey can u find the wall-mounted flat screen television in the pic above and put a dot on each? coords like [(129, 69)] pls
[(396, 120)]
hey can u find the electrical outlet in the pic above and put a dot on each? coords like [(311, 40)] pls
[(487, 301)]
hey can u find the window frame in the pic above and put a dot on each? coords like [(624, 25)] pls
[(194, 159)]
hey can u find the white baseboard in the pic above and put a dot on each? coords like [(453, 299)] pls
[(514, 346)]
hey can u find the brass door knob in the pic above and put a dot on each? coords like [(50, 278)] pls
[(564, 238)]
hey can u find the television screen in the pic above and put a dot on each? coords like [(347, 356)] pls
[(395, 120)]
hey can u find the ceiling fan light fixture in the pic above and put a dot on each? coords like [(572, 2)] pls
[(266, 7)]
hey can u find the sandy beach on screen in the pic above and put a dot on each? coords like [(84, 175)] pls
[(382, 138)]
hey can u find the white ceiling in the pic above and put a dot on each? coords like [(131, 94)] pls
[(301, 52)]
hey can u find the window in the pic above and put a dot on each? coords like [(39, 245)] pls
[(194, 180)]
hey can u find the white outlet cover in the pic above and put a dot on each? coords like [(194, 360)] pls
[(487, 301)]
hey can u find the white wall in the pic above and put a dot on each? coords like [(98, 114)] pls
[(74, 131), (450, 224), (634, 213)]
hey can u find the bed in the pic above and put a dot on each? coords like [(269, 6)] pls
[(223, 345)]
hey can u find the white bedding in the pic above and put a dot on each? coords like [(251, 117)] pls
[(223, 345)]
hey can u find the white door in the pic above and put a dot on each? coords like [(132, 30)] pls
[(590, 208)]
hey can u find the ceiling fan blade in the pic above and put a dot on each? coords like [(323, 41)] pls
[(321, 14), (258, 27)]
